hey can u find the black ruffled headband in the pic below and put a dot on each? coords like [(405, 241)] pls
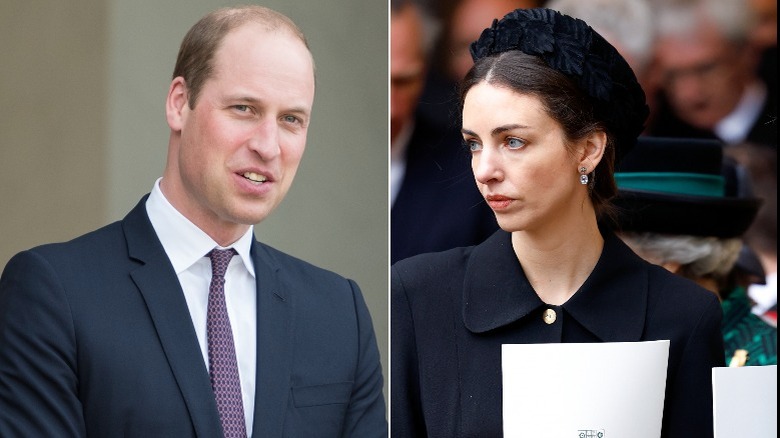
[(573, 48)]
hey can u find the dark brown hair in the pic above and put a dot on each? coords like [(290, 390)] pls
[(195, 60)]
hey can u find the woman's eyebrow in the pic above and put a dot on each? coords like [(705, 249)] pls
[(496, 131)]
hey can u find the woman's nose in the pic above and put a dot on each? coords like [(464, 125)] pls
[(486, 165)]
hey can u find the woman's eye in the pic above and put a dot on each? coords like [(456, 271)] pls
[(472, 145), (514, 143)]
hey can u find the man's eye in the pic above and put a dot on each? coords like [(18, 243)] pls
[(292, 119), (241, 108)]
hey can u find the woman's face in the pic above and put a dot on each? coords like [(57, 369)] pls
[(520, 161)]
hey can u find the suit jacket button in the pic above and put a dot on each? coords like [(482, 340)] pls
[(549, 316)]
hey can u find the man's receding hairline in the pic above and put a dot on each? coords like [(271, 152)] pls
[(269, 19)]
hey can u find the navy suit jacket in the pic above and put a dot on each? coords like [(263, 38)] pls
[(96, 340)]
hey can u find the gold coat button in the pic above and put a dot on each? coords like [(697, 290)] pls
[(549, 316)]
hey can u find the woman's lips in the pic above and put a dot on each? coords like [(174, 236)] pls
[(498, 202)]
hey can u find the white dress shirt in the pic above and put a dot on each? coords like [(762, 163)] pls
[(186, 246), (398, 160)]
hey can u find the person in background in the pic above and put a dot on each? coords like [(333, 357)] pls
[(629, 26), (175, 321), (463, 22), (760, 163), (548, 109), (435, 205), (763, 36), (676, 213), (708, 76)]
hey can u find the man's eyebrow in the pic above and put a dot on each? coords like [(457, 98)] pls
[(299, 110), (242, 97), (255, 100)]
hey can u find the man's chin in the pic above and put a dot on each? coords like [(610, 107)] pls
[(250, 219), (700, 120), (250, 210), (252, 216)]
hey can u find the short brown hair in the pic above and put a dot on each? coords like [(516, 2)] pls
[(195, 60)]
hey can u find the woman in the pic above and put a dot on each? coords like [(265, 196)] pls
[(685, 206), (548, 108)]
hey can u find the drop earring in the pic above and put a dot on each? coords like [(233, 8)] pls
[(583, 175)]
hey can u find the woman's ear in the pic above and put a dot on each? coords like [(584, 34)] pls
[(176, 104), (593, 150)]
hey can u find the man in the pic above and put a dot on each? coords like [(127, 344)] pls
[(626, 24), (435, 203), (708, 75), (463, 23), (134, 330)]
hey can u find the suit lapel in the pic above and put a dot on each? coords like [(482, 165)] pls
[(274, 345), (164, 298)]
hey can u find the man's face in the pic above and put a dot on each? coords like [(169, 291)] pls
[(239, 148), (703, 76), (764, 33), (469, 19), (407, 67)]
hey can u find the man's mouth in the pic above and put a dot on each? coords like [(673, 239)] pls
[(254, 177)]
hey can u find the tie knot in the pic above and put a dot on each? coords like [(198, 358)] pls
[(220, 258)]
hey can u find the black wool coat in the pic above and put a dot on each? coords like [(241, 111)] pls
[(451, 311)]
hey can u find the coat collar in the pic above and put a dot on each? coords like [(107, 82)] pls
[(611, 303)]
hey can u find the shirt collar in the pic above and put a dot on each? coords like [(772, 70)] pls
[(610, 304), (401, 143), (398, 159), (735, 127), (183, 241)]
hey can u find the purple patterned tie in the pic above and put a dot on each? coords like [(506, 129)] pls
[(223, 368)]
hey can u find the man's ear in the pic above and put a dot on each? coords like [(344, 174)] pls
[(176, 104), (593, 150)]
